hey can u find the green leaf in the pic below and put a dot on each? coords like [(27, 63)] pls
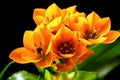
[(2, 73), (103, 54), (23, 75), (104, 60), (103, 71), (83, 75)]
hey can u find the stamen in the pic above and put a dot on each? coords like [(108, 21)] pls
[(92, 34), (39, 50), (66, 48)]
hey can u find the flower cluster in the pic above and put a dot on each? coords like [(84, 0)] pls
[(62, 36)]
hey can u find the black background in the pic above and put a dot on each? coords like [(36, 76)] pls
[(16, 17)]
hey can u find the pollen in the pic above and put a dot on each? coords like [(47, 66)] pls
[(92, 34), (66, 48), (39, 50)]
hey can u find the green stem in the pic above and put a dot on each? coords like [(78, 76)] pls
[(76, 71), (72, 75), (41, 72), (5, 69)]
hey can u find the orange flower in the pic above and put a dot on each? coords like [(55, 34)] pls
[(69, 17), (66, 46), (46, 15), (54, 16), (36, 48), (96, 30)]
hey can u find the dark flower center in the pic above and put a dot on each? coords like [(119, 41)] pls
[(39, 50), (66, 48), (92, 34)]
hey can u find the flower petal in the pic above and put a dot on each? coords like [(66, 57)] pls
[(83, 25), (38, 38), (63, 13), (81, 50), (71, 9), (84, 56), (52, 11), (28, 40), (46, 61), (87, 42), (31, 56), (77, 25), (16, 55), (65, 67), (97, 41), (64, 34), (103, 26), (42, 36), (111, 36), (39, 12), (38, 19), (92, 18), (53, 25), (69, 55)]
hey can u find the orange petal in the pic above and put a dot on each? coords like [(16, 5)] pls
[(80, 14), (92, 18), (52, 11), (65, 67), (54, 24), (46, 61), (97, 41), (16, 55), (111, 36), (42, 36), (49, 47), (39, 12), (31, 56), (63, 12), (38, 19), (84, 56), (64, 34), (87, 42), (103, 26), (69, 55), (28, 40), (71, 9), (78, 23), (46, 36), (80, 50), (83, 25), (54, 42)]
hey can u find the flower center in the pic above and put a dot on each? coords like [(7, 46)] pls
[(92, 34), (39, 50), (66, 48)]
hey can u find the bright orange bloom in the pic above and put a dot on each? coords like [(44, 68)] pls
[(95, 29), (54, 16), (46, 15), (68, 49), (69, 17), (36, 48)]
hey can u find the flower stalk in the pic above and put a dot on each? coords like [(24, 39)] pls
[(2, 73)]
